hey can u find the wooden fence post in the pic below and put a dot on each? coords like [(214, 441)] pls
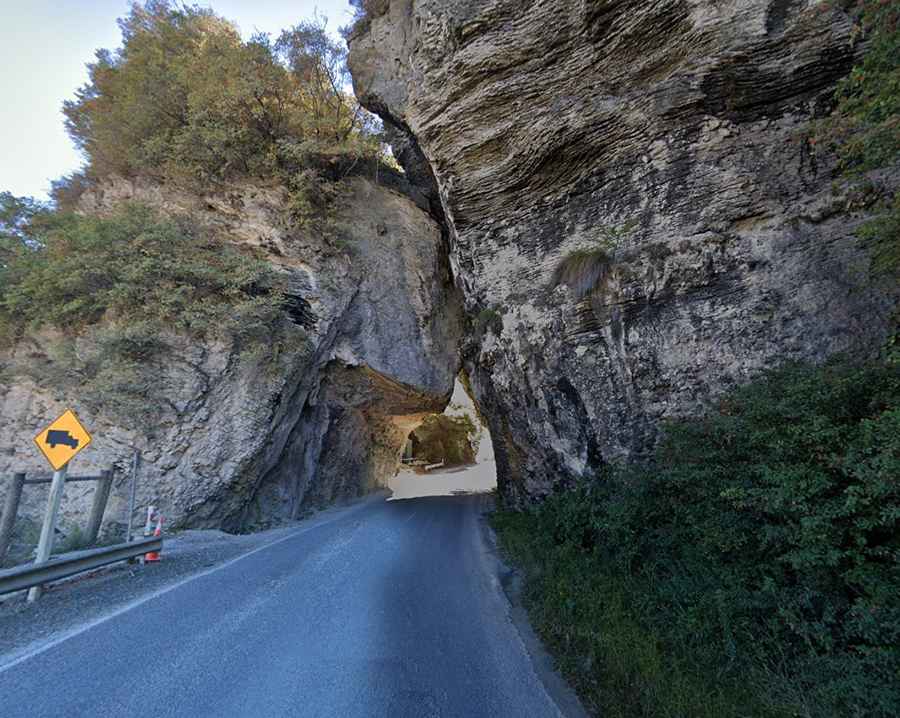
[(135, 465), (101, 497), (10, 509)]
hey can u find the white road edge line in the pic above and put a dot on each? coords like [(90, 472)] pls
[(27, 653)]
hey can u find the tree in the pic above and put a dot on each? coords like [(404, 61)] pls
[(18, 217), (137, 98), (186, 98)]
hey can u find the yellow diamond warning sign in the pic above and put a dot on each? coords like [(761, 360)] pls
[(64, 438)]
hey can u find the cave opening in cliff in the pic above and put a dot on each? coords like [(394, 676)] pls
[(447, 454)]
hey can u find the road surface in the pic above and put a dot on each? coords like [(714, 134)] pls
[(393, 609)]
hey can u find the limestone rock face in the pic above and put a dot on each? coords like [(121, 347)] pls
[(251, 438), (670, 137)]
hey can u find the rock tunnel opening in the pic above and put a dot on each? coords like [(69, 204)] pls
[(344, 438), (388, 367), (447, 454), (359, 431)]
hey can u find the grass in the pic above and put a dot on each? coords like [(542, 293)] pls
[(74, 540), (584, 271), (26, 540), (587, 618), (488, 320)]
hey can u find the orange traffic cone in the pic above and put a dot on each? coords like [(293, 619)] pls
[(154, 555)]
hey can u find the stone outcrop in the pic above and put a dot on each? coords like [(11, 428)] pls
[(251, 438), (670, 137)]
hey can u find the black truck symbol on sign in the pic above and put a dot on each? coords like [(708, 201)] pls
[(55, 437)]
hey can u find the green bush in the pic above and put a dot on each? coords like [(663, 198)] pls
[(121, 290), (71, 271), (864, 126), (882, 235), (760, 549)]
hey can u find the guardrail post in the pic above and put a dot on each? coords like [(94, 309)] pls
[(10, 509), (101, 497)]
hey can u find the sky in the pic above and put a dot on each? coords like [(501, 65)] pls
[(44, 46)]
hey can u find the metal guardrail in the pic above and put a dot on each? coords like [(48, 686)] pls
[(20, 481), (69, 479), (22, 577)]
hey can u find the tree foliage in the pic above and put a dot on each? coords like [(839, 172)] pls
[(18, 217), (185, 98), (450, 439)]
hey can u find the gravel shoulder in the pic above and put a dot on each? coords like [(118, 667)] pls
[(86, 598)]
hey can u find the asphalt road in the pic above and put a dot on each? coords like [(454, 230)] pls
[(391, 609)]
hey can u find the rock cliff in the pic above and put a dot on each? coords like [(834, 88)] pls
[(611, 213), (664, 143), (250, 438)]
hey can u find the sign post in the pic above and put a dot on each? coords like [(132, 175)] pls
[(45, 545), (59, 443)]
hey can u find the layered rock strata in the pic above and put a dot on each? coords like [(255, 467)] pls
[(665, 147)]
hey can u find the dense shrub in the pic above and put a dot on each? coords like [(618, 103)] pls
[(864, 128), (759, 551), (70, 271), (882, 236), (450, 439), (130, 283)]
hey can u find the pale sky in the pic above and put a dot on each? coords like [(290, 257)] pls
[(44, 46)]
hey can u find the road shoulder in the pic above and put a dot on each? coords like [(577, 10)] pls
[(511, 581), (69, 605)]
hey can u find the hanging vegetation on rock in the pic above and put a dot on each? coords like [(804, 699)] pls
[(129, 284)]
